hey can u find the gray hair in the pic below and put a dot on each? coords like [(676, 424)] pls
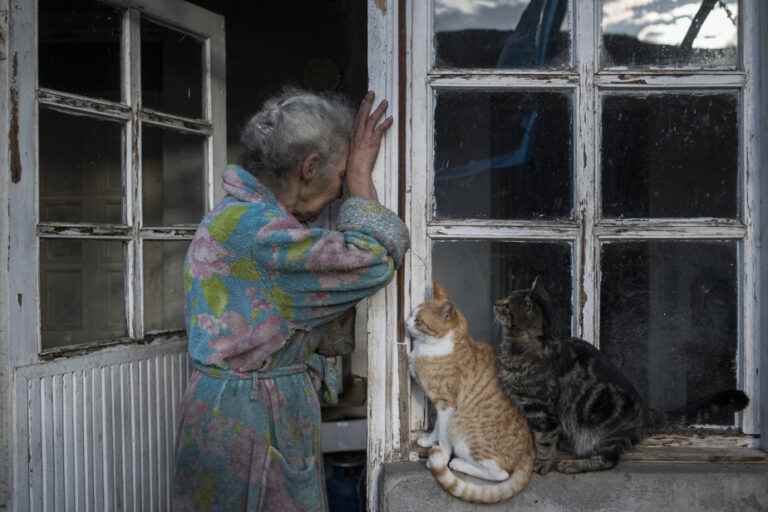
[(291, 126)]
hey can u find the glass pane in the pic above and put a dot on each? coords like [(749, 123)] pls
[(502, 34), (670, 155), (489, 271), (503, 155), (173, 167), (171, 71), (669, 318), (163, 285), (82, 291), (79, 48), (81, 177), (671, 33)]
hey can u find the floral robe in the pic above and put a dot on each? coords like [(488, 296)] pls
[(262, 291)]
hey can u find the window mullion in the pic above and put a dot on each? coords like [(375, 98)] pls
[(134, 280), (504, 81), (176, 123), (521, 231), (671, 80), (586, 144), (74, 104), (418, 265), (750, 327)]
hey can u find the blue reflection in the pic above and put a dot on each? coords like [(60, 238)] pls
[(525, 46)]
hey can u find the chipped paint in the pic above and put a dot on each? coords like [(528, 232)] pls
[(382, 5), (102, 231), (180, 123), (456, 77), (98, 346), (583, 295), (3, 35), (13, 131), (72, 103)]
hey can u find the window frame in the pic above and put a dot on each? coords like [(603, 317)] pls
[(26, 98), (586, 230)]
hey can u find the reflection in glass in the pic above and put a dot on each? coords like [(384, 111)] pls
[(669, 318), (477, 273), (502, 34), (163, 285), (79, 47), (503, 155), (173, 173), (82, 291), (80, 169), (670, 155), (698, 33), (171, 71)]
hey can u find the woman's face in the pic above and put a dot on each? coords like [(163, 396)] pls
[(323, 188)]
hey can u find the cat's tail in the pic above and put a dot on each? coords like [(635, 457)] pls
[(478, 493), (703, 411)]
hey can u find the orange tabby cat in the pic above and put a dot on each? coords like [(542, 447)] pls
[(475, 421)]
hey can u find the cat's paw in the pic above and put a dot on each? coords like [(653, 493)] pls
[(568, 467), (543, 467), (426, 441)]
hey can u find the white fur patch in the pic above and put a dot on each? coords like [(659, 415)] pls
[(461, 449), (429, 346)]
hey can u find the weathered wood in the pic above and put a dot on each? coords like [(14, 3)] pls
[(75, 104), (696, 454), (759, 208), (384, 421), (752, 327), (458, 80), (178, 123), (671, 79)]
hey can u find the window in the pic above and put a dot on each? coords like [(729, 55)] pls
[(605, 147), (124, 132)]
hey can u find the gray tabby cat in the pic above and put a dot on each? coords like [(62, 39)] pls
[(574, 398)]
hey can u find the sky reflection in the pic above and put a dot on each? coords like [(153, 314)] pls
[(652, 21)]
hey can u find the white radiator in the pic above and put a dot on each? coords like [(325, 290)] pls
[(99, 431)]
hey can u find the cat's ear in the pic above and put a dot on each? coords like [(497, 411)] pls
[(447, 310), (438, 292)]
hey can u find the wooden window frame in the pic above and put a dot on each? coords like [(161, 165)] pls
[(400, 40), (25, 100)]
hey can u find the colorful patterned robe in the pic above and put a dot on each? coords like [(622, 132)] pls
[(263, 291)]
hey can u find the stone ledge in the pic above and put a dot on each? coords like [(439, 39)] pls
[(630, 487)]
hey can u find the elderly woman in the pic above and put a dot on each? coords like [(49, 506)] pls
[(263, 290)]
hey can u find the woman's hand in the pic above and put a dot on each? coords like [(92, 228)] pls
[(364, 147)]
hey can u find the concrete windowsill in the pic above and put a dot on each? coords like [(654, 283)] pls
[(632, 486)]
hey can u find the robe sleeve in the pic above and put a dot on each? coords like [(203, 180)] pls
[(320, 273)]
